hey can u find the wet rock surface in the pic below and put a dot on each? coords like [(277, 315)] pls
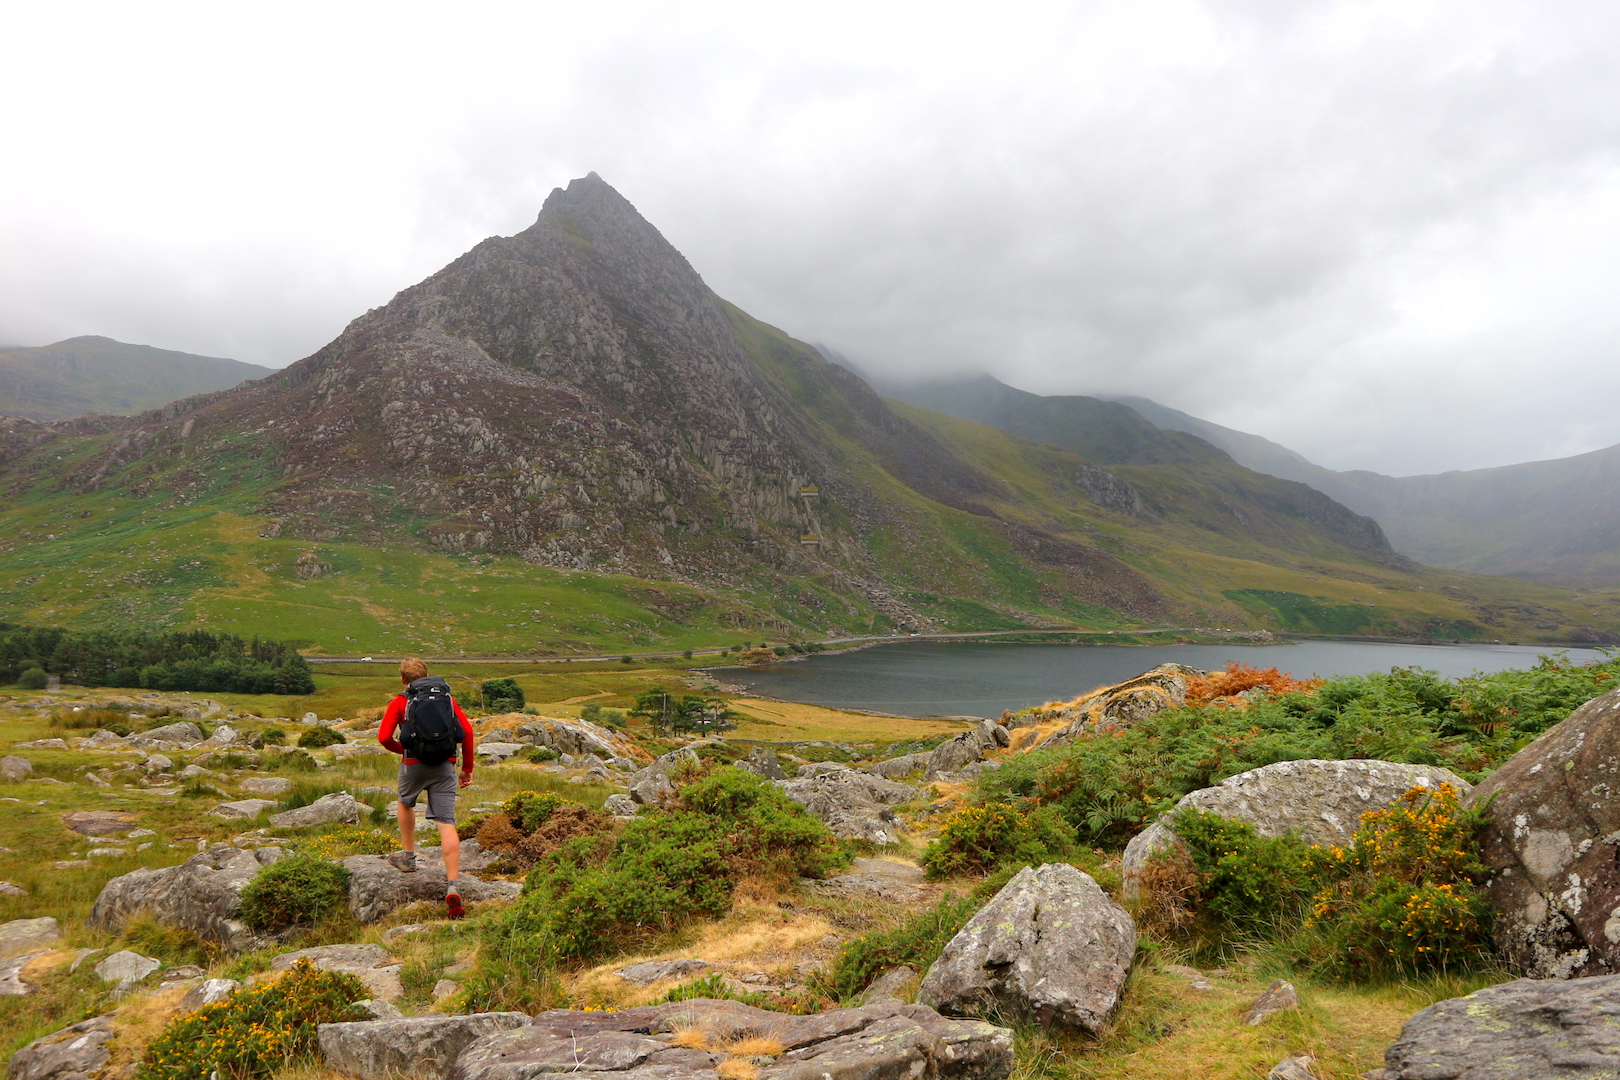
[(1050, 945), (1553, 846), (886, 1039), (1529, 1028)]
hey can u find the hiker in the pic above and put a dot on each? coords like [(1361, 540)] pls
[(431, 729)]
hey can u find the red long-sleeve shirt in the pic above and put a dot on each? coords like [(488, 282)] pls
[(394, 715)]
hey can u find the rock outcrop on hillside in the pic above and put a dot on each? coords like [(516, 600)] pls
[(1319, 801), (854, 805), (1050, 945), (1108, 708), (1553, 846), (202, 895)]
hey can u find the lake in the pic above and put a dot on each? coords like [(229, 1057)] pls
[(935, 678)]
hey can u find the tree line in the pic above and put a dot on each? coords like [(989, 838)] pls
[(182, 660)]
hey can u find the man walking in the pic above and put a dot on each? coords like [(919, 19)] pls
[(426, 726)]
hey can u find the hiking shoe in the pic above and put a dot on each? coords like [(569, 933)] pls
[(452, 904), (403, 860)]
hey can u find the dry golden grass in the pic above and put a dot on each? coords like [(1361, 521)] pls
[(138, 1022), (737, 1069), (690, 1038), (749, 1046)]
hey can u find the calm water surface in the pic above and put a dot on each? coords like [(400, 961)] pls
[(933, 678)]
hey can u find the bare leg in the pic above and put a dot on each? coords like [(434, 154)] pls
[(407, 826), (450, 846)]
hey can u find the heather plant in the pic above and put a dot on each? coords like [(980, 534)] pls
[(257, 1031), (316, 738), (296, 890), (979, 839)]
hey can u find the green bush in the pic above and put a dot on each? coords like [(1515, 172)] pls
[(916, 943), (713, 987), (608, 718), (978, 839), (33, 679), (273, 736), (502, 695), (349, 840), (608, 892), (531, 809), (537, 753), (1249, 885), (295, 890), (257, 1031), (315, 738)]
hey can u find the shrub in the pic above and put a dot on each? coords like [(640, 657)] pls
[(33, 679), (608, 718), (528, 810), (349, 840), (255, 1032), (297, 889), (502, 695), (1247, 885), (712, 986), (272, 736), (315, 738), (1239, 678), (916, 942), (537, 753), (977, 839)]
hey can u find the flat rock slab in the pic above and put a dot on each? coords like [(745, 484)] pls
[(884, 1041), (854, 805), (241, 809), (1528, 1028), (126, 967), (1050, 945), (99, 822), (28, 935), (414, 1048), (73, 1053), (651, 971), (266, 785), (376, 888), (882, 879)]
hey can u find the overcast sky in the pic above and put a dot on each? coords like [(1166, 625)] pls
[(1386, 235)]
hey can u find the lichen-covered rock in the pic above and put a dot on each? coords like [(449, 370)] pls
[(202, 894), (1529, 1028), (265, 785), (852, 804), (28, 935), (1050, 945), (650, 971), (896, 768), (207, 992), (1553, 846), (125, 966), (762, 761), (182, 734), (99, 822), (1110, 708), (621, 806), (414, 1048), (241, 809), (74, 1053), (1319, 801), (884, 1041), (338, 808), (577, 737), (656, 783)]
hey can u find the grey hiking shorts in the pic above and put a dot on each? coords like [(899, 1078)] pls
[(439, 781)]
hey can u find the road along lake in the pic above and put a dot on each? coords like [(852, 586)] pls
[(978, 678)]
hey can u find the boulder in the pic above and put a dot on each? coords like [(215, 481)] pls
[(207, 992), (9, 889), (655, 783), (338, 808), (1512, 1031), (1553, 846), (202, 894), (1112, 708), (350, 751), (897, 767), (574, 737), (13, 767), (417, 1048), (762, 761), (264, 785), (375, 888), (42, 744), (380, 1010), (241, 809), (12, 983), (953, 754), (852, 804), (1298, 1067), (890, 985), (371, 964), (182, 734), (1050, 945), (1280, 996), (27, 936), (883, 1041), (99, 822), (74, 1053), (651, 971), (621, 805), (126, 967), (820, 768), (498, 751), (1321, 802), (158, 763)]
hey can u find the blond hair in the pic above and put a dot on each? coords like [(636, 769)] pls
[(412, 668)]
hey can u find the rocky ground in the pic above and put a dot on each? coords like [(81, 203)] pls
[(125, 856)]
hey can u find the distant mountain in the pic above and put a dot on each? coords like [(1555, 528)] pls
[(564, 441), (99, 375), (1555, 520)]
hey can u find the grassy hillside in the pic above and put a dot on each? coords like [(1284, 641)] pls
[(99, 375)]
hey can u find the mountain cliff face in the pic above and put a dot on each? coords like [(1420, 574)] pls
[(575, 398)]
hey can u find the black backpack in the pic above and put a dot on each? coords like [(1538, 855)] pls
[(430, 731)]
